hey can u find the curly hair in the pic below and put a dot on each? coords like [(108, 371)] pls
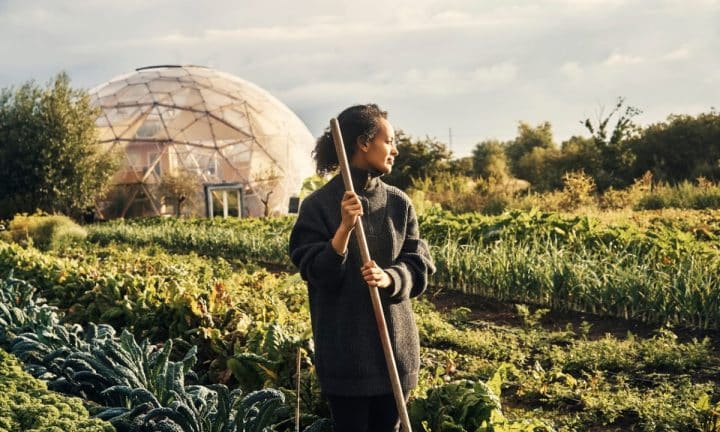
[(355, 122)]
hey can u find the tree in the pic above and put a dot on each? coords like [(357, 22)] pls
[(540, 168), (181, 190), (616, 155), (462, 166), (683, 148), (527, 139), (490, 161), (312, 183), (48, 153), (624, 126), (417, 159), (579, 154), (263, 184)]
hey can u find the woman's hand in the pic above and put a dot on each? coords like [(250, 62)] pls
[(375, 276), (350, 209)]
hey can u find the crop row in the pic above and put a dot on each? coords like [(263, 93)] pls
[(660, 273)]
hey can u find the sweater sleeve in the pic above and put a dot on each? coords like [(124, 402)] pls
[(311, 249), (411, 269)]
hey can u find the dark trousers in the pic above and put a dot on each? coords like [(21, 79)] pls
[(364, 413)]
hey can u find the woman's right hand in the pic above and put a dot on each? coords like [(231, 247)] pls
[(350, 209)]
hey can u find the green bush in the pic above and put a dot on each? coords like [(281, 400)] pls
[(27, 405), (651, 202), (495, 205), (46, 232), (578, 190)]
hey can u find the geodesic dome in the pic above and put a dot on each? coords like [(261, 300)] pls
[(196, 127)]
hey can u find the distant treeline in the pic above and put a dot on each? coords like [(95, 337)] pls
[(615, 154)]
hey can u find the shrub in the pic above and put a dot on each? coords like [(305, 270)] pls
[(578, 190), (613, 199), (651, 202), (704, 195), (46, 232), (495, 205), (462, 194)]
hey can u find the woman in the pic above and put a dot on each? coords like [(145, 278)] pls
[(349, 359)]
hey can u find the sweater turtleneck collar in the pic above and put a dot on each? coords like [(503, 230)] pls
[(364, 180)]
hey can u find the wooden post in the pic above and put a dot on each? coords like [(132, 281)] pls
[(374, 295), (225, 203)]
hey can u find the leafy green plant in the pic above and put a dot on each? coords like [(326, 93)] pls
[(457, 406), (465, 405), (710, 414), (139, 386), (27, 405)]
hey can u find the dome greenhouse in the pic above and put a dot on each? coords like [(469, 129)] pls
[(193, 140)]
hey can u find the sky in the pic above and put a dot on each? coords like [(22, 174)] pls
[(462, 71)]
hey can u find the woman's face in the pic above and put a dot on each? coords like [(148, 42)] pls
[(379, 153)]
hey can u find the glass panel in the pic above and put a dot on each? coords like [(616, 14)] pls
[(155, 162), (132, 93), (173, 72), (187, 97), (242, 151), (215, 100), (163, 98), (223, 132), (139, 78), (151, 128), (199, 72), (179, 122), (107, 101), (105, 134), (236, 117), (202, 81), (163, 85), (199, 132)]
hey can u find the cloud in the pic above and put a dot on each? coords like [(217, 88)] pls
[(572, 70), (623, 59), (679, 54), (477, 67)]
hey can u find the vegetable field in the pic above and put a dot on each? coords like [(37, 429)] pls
[(195, 325)]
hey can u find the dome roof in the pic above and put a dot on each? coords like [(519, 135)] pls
[(223, 129)]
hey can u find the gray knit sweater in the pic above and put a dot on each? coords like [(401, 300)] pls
[(349, 359)]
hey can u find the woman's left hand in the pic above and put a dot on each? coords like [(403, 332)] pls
[(375, 276)]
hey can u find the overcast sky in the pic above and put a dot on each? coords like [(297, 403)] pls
[(474, 66)]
